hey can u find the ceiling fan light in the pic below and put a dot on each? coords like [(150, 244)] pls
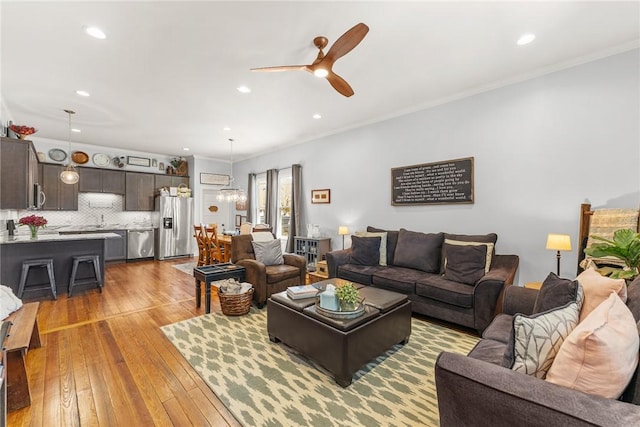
[(320, 72)]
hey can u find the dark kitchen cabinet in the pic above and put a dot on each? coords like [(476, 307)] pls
[(170, 181), (115, 249), (101, 181), (58, 195), (19, 173), (139, 191)]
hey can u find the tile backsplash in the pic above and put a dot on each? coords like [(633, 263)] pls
[(93, 209)]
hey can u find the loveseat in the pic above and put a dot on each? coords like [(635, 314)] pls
[(479, 390), (456, 278)]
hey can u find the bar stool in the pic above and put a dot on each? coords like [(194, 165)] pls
[(95, 260), (37, 263)]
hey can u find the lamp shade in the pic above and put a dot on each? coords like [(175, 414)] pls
[(342, 230), (559, 242)]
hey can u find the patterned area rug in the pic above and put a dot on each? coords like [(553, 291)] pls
[(186, 267), (267, 384)]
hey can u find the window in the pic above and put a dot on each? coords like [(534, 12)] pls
[(261, 198), (284, 201)]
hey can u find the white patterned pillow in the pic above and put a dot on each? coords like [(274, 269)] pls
[(537, 339)]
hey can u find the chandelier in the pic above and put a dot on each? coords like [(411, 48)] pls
[(230, 193), (69, 175)]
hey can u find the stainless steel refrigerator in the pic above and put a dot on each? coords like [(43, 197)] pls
[(175, 233)]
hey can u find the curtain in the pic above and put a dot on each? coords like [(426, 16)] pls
[(296, 199), (271, 214), (251, 194)]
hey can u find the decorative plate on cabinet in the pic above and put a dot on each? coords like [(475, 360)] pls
[(101, 160), (80, 157), (57, 155)]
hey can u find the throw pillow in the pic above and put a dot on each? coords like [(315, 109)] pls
[(598, 288), (488, 240), (601, 354), (392, 241), (365, 250), (536, 339), (268, 253), (555, 292), (383, 243), (465, 264), (419, 251)]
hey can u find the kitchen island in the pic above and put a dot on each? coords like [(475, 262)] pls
[(61, 248)]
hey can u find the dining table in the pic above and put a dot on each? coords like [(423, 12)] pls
[(225, 243)]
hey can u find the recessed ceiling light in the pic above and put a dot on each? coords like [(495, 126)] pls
[(244, 89), (186, 148), (317, 116), (96, 32), (82, 92), (320, 72), (526, 39), (76, 130), (226, 128)]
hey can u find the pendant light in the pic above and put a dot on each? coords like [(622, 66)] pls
[(231, 194), (69, 175)]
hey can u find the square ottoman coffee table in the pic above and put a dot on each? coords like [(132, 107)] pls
[(341, 346)]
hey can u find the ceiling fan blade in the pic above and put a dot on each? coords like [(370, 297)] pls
[(339, 84), (346, 42), (281, 68)]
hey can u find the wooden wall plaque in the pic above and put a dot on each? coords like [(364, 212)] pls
[(446, 182)]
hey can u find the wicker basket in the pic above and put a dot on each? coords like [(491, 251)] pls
[(236, 304)]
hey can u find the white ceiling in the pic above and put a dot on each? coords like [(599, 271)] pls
[(166, 76)]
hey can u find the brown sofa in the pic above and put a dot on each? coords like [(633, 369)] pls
[(475, 390), (416, 268), (267, 279)]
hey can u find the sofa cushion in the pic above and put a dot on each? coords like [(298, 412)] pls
[(443, 290), (601, 354), (536, 339), (555, 292), (465, 264), (392, 241), (488, 351), (420, 251), (383, 243), (499, 329), (488, 240), (365, 250), (268, 252), (597, 288), (358, 273), (397, 279), (278, 273)]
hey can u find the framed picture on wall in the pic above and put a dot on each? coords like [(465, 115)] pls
[(241, 205), (238, 220), (214, 179), (321, 196)]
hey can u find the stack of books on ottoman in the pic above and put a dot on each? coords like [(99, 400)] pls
[(300, 292)]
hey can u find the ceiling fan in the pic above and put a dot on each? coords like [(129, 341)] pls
[(322, 66)]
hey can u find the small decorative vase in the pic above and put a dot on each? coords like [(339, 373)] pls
[(22, 136), (348, 306), (34, 231)]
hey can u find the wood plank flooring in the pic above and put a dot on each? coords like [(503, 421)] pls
[(105, 362)]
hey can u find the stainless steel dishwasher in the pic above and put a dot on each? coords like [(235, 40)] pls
[(139, 243)]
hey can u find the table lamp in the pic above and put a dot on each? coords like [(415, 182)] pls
[(559, 242), (342, 231)]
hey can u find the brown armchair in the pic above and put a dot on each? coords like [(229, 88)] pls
[(267, 279)]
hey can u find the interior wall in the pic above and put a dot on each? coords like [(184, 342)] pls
[(540, 147)]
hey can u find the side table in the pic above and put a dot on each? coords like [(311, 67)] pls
[(211, 273)]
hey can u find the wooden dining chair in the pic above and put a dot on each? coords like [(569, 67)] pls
[(203, 249), (215, 254)]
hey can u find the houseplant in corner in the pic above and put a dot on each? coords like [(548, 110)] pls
[(624, 246), (348, 297), (34, 222)]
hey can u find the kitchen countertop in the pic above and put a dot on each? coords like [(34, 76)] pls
[(26, 238), (107, 227)]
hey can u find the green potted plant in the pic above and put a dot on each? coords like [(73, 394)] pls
[(624, 246), (348, 296)]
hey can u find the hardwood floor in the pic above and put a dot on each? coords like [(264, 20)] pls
[(105, 362)]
